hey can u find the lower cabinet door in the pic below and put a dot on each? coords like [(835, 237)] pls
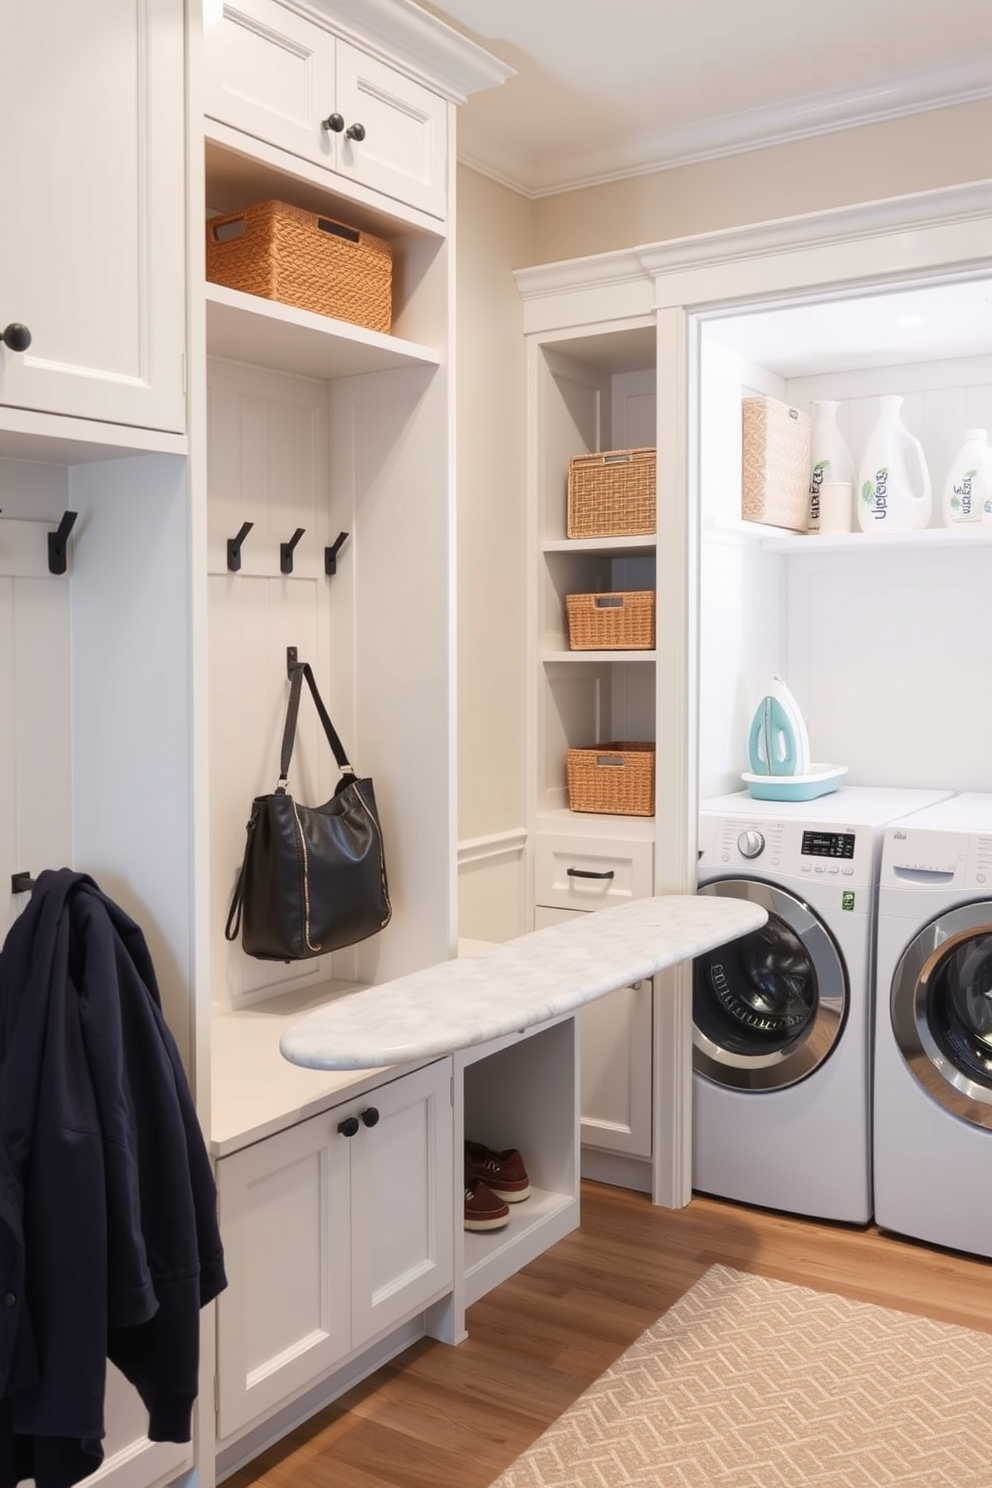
[(615, 1063), (402, 1255), (335, 1231), (284, 1319)]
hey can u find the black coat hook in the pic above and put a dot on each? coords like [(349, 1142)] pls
[(57, 543), (234, 547), (21, 883), (331, 554), (286, 551)]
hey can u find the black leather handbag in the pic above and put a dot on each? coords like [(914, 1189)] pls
[(313, 878)]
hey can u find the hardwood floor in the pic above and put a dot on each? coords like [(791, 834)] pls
[(443, 1417)]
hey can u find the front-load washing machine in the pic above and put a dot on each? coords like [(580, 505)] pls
[(933, 1043), (782, 1016)]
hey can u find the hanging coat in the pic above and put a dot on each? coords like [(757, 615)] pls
[(109, 1243)]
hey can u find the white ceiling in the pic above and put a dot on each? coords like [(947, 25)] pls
[(611, 88)]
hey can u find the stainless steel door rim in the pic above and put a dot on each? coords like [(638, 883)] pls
[(946, 1039), (769, 1054)]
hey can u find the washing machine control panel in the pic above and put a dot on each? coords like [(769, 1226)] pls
[(799, 850), (750, 844)]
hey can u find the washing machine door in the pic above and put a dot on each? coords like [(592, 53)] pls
[(941, 1010), (768, 1008)]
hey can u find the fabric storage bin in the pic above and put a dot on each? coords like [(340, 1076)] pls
[(611, 622), (304, 259), (776, 464), (616, 779), (612, 494)]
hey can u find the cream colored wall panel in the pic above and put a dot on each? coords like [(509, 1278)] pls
[(389, 462), (131, 1460)]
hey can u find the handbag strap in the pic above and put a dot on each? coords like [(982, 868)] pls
[(302, 670)]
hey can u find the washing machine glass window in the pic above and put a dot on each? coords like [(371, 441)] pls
[(768, 1008), (941, 1010)]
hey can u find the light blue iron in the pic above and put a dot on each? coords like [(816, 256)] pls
[(778, 743)]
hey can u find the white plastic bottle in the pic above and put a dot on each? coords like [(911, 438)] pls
[(894, 491), (830, 458), (968, 487)]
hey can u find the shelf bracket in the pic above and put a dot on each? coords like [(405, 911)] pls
[(234, 547), (331, 554), (57, 544), (286, 551)]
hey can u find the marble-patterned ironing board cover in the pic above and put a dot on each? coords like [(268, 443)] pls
[(514, 985)]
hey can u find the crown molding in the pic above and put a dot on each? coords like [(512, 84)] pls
[(448, 61), (535, 176), (945, 206)]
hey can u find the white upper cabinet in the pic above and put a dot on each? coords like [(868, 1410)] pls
[(283, 79), (93, 255)]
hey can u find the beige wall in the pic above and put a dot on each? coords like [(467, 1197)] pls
[(498, 231), (492, 236), (942, 148)]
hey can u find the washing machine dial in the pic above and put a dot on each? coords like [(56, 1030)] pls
[(751, 844)]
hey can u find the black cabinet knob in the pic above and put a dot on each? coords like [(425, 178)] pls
[(355, 132), (349, 1126), (370, 1116), (333, 122), (16, 336)]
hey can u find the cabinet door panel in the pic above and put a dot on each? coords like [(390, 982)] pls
[(615, 1063), (283, 1320), (270, 73), (94, 264), (402, 1220), (404, 151)]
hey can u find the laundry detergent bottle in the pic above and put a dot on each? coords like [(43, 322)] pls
[(968, 487), (830, 458), (894, 491)]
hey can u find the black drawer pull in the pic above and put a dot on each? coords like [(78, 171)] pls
[(370, 1116), (587, 873)]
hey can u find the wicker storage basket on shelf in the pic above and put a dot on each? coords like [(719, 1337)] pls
[(776, 464), (611, 622), (612, 494), (617, 779), (301, 258)]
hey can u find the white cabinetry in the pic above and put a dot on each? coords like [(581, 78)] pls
[(589, 393), (288, 80), (335, 1230), (869, 633), (92, 259)]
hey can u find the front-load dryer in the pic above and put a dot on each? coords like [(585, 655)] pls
[(782, 1016), (933, 1044)]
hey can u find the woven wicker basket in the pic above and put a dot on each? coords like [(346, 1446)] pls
[(611, 622), (301, 258), (617, 779), (776, 464), (612, 494)]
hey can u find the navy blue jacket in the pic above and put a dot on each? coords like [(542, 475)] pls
[(109, 1243)]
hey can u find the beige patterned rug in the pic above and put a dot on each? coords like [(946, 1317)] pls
[(752, 1383)]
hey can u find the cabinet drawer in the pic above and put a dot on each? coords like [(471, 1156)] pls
[(582, 873)]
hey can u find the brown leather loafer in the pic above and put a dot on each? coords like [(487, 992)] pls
[(503, 1172), (483, 1210)]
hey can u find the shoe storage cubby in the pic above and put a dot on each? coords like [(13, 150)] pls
[(522, 1092)]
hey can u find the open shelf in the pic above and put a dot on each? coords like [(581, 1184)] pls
[(777, 540), (588, 656), (492, 1256), (247, 328)]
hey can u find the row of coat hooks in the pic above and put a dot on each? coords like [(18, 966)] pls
[(286, 550)]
